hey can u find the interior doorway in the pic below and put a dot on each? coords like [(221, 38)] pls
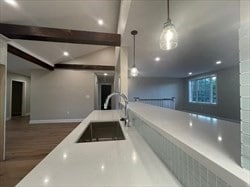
[(105, 91), (17, 98)]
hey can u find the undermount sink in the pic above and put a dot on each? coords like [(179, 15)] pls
[(102, 131)]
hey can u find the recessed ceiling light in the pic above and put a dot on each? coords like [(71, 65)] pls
[(46, 180), (219, 138), (218, 62), (105, 74), (102, 167), (65, 156), (11, 2), (190, 73), (157, 59), (100, 22), (65, 53)]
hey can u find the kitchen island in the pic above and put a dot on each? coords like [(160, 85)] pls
[(128, 162), (162, 147), (199, 150)]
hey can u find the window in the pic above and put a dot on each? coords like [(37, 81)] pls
[(203, 90)]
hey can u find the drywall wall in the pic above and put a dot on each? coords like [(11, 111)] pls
[(3, 85), (150, 87), (244, 49), (96, 93), (61, 95), (26, 93), (228, 93), (124, 70)]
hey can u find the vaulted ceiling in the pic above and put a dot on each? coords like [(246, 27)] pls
[(207, 31), (76, 15)]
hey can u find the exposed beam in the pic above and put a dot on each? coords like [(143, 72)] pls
[(84, 67), (15, 51), (59, 35)]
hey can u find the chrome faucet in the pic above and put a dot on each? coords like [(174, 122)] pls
[(126, 119)]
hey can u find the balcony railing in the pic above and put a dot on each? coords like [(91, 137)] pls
[(162, 102)]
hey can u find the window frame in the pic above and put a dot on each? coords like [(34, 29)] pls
[(199, 78)]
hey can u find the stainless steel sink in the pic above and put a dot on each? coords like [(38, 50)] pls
[(102, 131)]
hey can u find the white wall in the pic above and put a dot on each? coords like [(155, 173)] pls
[(3, 94), (61, 95), (227, 89), (67, 95), (96, 100), (124, 70), (228, 96), (26, 93), (150, 87), (244, 48)]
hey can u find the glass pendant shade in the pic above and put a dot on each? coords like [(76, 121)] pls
[(134, 72), (169, 37)]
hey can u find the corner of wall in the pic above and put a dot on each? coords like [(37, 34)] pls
[(244, 38)]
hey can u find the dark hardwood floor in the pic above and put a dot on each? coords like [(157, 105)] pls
[(27, 145)]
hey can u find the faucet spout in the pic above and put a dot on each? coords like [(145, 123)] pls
[(124, 97)]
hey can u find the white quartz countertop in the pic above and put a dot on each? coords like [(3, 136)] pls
[(127, 162), (213, 142)]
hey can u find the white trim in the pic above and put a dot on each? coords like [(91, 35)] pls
[(27, 114), (55, 121)]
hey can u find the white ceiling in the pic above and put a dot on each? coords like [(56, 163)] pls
[(78, 15), (20, 66), (207, 29)]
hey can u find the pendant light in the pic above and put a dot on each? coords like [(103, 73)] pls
[(134, 71), (169, 37)]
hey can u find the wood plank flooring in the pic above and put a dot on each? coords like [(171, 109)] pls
[(27, 145)]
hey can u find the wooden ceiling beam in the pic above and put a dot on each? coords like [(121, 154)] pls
[(15, 51), (59, 35), (84, 67)]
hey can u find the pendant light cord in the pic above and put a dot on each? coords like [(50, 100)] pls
[(134, 32), (168, 11), (134, 51)]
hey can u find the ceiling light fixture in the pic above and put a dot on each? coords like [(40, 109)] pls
[(11, 2), (100, 22), (219, 138), (157, 59), (218, 62), (190, 73), (105, 74), (65, 53), (134, 71), (169, 37)]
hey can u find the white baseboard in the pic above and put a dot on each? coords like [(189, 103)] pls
[(55, 121)]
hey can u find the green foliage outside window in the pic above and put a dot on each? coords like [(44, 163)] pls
[(203, 90)]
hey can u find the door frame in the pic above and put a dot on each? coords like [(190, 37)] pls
[(3, 104), (24, 84), (100, 94)]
